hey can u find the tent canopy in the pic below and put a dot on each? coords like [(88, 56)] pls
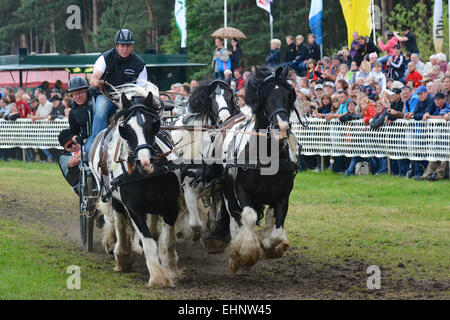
[(164, 68)]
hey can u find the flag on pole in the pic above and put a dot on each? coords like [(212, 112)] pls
[(180, 19), (315, 19), (267, 5), (357, 17), (438, 26)]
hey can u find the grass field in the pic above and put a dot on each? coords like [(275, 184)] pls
[(400, 225)]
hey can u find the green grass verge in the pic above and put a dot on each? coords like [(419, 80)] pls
[(34, 266), (380, 220)]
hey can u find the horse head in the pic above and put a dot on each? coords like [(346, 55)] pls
[(138, 124), (214, 100), (271, 98)]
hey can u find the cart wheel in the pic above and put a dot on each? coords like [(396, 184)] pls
[(86, 219)]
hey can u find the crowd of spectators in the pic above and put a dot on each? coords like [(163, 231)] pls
[(376, 82), (37, 104)]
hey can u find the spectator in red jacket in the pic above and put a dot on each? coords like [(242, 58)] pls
[(414, 75), (22, 107), (239, 79)]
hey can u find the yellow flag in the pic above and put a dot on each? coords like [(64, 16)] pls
[(357, 17)]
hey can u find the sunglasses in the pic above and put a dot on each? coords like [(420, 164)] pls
[(69, 145)]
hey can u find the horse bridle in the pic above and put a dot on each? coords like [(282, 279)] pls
[(138, 109), (276, 81), (218, 91)]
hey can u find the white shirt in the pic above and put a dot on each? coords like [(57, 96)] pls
[(44, 110), (420, 67), (100, 65)]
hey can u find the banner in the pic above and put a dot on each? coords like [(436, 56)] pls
[(267, 5), (438, 26), (357, 17), (315, 19), (180, 19)]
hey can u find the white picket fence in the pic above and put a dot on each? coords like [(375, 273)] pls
[(404, 139)]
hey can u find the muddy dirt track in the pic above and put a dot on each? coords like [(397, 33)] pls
[(206, 276)]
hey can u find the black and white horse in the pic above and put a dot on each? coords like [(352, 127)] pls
[(137, 185), (208, 106), (248, 189)]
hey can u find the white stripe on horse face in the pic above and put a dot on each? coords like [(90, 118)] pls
[(144, 154), (224, 114), (283, 128)]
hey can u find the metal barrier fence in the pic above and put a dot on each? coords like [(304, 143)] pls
[(403, 139)]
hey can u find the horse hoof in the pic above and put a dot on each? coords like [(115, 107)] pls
[(278, 251), (160, 282)]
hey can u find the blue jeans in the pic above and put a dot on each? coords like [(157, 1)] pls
[(383, 60), (102, 111), (382, 166), (394, 167), (403, 166), (351, 168), (419, 167)]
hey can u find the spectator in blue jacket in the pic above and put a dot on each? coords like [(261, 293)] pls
[(273, 59), (425, 105)]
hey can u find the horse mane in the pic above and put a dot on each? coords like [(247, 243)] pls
[(257, 89), (134, 90), (199, 101)]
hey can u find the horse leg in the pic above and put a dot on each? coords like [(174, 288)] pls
[(122, 249), (109, 234), (274, 241), (159, 276), (153, 225), (191, 195), (166, 249), (244, 248)]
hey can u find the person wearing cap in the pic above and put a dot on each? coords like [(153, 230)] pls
[(413, 75), (408, 40), (441, 108), (318, 91), (425, 104), (58, 108), (395, 110), (328, 88), (70, 159), (117, 66), (81, 114), (437, 170)]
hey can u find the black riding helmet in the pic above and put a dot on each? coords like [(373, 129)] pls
[(124, 36), (64, 136), (77, 83)]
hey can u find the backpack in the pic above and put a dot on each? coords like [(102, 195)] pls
[(222, 66)]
